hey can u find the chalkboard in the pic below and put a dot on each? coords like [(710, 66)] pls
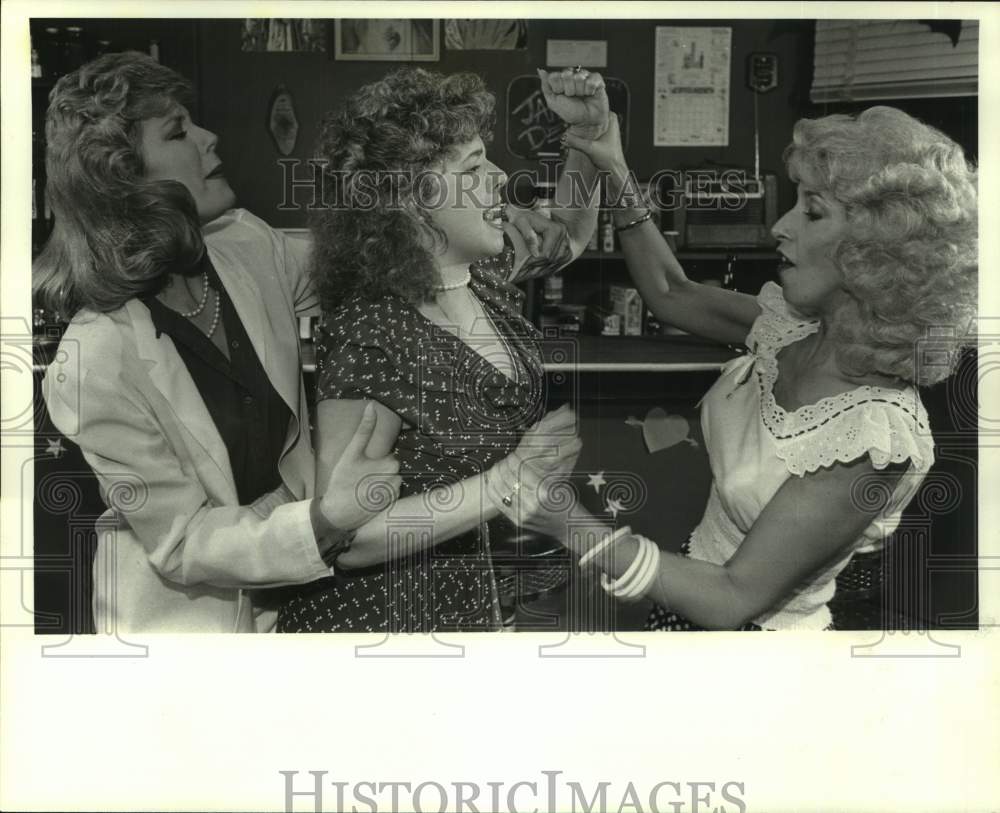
[(533, 130)]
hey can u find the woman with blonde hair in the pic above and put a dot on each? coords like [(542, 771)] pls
[(817, 437)]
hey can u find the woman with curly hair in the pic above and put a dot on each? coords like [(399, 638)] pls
[(817, 438), (179, 374), (415, 265)]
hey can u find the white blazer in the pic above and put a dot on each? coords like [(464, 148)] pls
[(176, 552)]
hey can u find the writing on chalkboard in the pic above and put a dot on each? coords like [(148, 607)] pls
[(533, 130), (536, 124)]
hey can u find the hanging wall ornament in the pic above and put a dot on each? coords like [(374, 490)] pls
[(282, 122)]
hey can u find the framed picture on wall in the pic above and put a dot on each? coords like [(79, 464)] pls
[(283, 35), (486, 35), (382, 40)]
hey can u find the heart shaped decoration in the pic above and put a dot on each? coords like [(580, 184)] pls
[(661, 431)]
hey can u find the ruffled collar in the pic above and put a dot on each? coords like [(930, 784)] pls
[(782, 423)]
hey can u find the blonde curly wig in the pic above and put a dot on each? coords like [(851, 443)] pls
[(910, 253)]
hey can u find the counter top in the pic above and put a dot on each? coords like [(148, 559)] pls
[(615, 354)]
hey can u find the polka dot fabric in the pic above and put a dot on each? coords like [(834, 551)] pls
[(461, 414)]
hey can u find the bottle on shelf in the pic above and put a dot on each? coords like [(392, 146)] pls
[(552, 289), (39, 200), (607, 230), (36, 64), (651, 325), (50, 53), (73, 53), (729, 278)]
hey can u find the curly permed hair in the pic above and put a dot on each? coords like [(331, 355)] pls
[(116, 235), (910, 254), (378, 148)]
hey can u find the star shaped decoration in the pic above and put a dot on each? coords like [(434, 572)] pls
[(55, 448), (596, 481), (614, 506)]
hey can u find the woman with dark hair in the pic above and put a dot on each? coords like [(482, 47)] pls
[(180, 375), (817, 437), (415, 267)]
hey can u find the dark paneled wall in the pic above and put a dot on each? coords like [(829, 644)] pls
[(237, 85)]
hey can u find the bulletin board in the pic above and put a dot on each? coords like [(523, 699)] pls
[(533, 130)]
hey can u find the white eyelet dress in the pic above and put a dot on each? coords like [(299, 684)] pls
[(754, 446)]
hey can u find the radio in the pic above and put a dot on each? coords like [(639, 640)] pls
[(725, 208)]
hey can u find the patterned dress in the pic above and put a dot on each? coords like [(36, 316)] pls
[(461, 415)]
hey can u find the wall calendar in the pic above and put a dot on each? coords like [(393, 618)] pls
[(691, 88)]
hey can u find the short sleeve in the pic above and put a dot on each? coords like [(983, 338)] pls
[(888, 429), (351, 359), (778, 322), (774, 305)]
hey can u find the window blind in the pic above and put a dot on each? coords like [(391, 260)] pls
[(893, 59)]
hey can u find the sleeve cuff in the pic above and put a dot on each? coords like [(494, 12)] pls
[(307, 539)]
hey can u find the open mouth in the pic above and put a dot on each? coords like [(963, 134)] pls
[(216, 173), (496, 216), (784, 264)]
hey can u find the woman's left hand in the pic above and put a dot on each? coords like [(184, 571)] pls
[(539, 501), (578, 97), (543, 236)]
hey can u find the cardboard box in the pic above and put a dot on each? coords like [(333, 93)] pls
[(627, 303)]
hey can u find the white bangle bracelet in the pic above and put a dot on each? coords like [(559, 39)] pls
[(636, 580), (617, 585), (609, 539), (640, 584)]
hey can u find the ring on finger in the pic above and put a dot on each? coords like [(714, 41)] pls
[(509, 499)]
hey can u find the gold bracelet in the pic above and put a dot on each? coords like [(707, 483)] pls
[(634, 223)]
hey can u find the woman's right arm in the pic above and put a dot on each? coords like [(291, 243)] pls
[(438, 518), (705, 310)]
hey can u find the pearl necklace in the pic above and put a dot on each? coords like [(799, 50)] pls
[(204, 298), (451, 286), (218, 312)]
